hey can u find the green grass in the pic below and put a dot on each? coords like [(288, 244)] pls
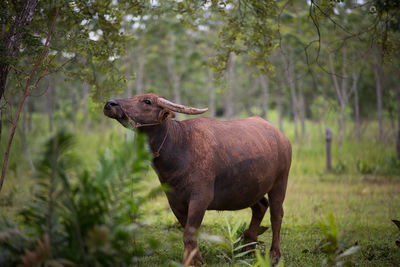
[(363, 210)]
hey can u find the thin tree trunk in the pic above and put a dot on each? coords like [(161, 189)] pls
[(356, 107), (378, 82), (74, 98), (138, 59), (343, 101), (302, 108), (31, 108), (211, 93), (293, 95), (25, 144), (229, 96), (1, 117), (322, 117), (265, 93), (341, 94), (248, 102), (341, 124), (176, 77), (173, 72), (398, 121), (140, 75), (86, 91), (13, 39), (50, 103), (10, 42), (129, 73), (279, 107)]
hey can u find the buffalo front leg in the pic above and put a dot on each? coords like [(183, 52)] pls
[(195, 216), (258, 212), (181, 214)]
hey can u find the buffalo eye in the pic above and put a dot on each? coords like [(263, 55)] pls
[(146, 101)]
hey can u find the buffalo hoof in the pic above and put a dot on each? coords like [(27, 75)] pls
[(275, 254), (193, 259), (195, 262)]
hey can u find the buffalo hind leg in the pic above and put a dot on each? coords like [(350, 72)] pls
[(258, 211), (276, 197)]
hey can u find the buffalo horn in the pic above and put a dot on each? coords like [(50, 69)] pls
[(179, 108)]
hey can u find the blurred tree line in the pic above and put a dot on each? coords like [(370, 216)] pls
[(304, 60)]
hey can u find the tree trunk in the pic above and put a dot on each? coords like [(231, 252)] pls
[(378, 82), (211, 93), (356, 107), (50, 103), (86, 91), (231, 78), (11, 42), (176, 77), (31, 109), (173, 72), (279, 107), (25, 146), (72, 97), (322, 117), (13, 39), (129, 72), (265, 93), (293, 95), (341, 93), (140, 75), (341, 124), (302, 109), (343, 101), (398, 122), (1, 117)]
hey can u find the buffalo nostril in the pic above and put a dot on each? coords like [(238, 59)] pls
[(110, 104)]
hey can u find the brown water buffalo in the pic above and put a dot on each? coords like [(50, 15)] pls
[(212, 165)]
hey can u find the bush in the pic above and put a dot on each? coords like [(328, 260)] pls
[(80, 218)]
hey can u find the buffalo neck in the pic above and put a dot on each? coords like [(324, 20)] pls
[(163, 137)]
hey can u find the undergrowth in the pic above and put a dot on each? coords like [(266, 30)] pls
[(80, 217)]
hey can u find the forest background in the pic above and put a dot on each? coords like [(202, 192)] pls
[(77, 188)]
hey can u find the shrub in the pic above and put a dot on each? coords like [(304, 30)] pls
[(80, 218)]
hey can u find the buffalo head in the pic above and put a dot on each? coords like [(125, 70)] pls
[(145, 109)]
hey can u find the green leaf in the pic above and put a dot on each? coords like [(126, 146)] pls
[(350, 251), (245, 245), (239, 255)]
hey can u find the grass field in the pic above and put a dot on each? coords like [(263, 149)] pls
[(363, 209), (362, 193)]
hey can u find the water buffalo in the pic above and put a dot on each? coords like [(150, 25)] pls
[(212, 165)]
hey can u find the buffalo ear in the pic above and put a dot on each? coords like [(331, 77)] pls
[(165, 114)]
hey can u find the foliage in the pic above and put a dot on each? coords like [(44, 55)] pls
[(248, 28), (232, 249), (89, 220), (331, 247), (263, 261)]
